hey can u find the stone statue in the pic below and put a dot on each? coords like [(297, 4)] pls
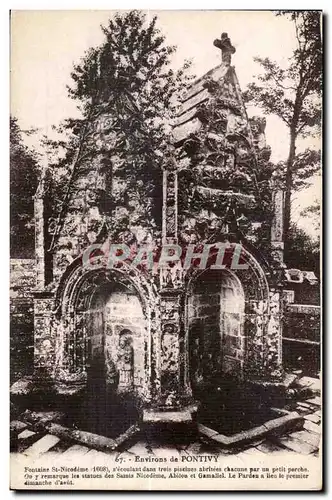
[(111, 371), (125, 361)]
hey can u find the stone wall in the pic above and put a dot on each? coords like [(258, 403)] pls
[(22, 281), (301, 338), (305, 293), (216, 336)]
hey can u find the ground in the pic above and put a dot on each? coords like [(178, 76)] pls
[(306, 441)]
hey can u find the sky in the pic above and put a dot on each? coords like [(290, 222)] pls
[(46, 44)]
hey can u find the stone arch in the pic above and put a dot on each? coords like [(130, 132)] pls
[(256, 349), (76, 299), (214, 320)]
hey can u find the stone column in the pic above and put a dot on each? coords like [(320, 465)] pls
[(170, 348), (170, 205), (256, 319), (273, 347), (70, 370), (172, 360), (273, 342), (44, 340), (263, 326), (277, 244), (39, 241), (43, 257)]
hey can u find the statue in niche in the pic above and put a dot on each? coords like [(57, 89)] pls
[(111, 371), (125, 361)]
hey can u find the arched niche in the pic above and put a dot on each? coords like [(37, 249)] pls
[(235, 311), (108, 320), (215, 326)]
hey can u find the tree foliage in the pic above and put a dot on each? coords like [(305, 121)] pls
[(23, 184), (302, 251), (314, 212), (294, 95)]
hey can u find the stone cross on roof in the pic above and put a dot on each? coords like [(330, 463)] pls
[(226, 47)]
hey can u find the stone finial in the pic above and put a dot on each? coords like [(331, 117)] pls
[(226, 47)]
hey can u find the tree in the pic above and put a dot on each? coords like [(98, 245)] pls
[(126, 96), (294, 95), (302, 251), (23, 185), (313, 211)]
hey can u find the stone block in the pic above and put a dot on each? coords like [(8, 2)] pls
[(195, 100), (313, 418), (82, 437), (152, 416), (232, 341), (206, 431), (311, 426), (249, 435), (232, 324), (297, 445), (22, 387), (183, 131), (307, 437), (314, 384), (232, 366), (42, 446), (282, 424), (214, 319), (315, 401), (229, 350), (240, 355), (74, 450), (26, 434), (208, 310), (270, 447), (185, 117), (16, 426), (42, 418)]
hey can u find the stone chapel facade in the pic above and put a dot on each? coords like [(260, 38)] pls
[(164, 334)]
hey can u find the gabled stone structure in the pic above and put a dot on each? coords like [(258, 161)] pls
[(161, 335)]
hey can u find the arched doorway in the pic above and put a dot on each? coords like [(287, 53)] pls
[(247, 324), (116, 351), (105, 342), (229, 336), (215, 318)]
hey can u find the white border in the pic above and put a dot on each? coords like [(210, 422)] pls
[(4, 198)]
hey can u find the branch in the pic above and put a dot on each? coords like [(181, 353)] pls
[(280, 85)]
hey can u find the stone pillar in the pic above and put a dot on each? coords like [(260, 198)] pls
[(273, 342), (256, 319), (263, 328), (170, 390), (277, 244), (170, 205), (39, 241), (70, 370), (172, 394), (43, 257), (44, 340), (273, 348)]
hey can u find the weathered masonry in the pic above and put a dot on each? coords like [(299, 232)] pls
[(161, 336)]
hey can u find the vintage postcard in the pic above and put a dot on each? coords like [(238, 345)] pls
[(165, 177)]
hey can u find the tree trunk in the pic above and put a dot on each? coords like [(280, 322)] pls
[(289, 182)]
